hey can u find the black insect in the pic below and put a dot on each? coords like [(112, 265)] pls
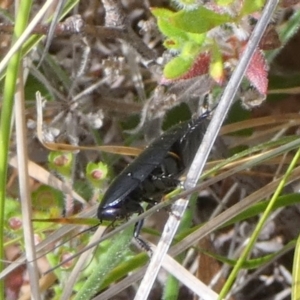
[(153, 173)]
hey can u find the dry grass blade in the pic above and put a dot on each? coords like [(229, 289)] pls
[(185, 277), (289, 119), (66, 147), (45, 177), (27, 32), (57, 14), (161, 250), (25, 196), (44, 284)]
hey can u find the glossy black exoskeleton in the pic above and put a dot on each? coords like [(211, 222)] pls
[(153, 173)]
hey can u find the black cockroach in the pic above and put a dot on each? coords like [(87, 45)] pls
[(153, 173)]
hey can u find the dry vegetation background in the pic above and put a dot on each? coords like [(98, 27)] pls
[(101, 87)]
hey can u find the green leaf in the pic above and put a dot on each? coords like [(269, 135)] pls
[(124, 268), (200, 20), (12, 208), (33, 85), (177, 36), (251, 6), (161, 13), (177, 67), (224, 2), (190, 50), (171, 31), (196, 37), (216, 70)]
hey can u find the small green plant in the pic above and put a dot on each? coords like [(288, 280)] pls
[(209, 39)]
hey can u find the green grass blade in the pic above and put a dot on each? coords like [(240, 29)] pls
[(255, 210), (255, 262), (6, 118), (259, 227), (296, 272)]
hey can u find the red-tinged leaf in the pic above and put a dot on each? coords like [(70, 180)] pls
[(257, 72), (199, 67)]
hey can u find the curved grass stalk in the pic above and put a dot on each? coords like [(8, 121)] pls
[(258, 229)]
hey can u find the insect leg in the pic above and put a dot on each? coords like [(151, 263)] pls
[(136, 233)]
